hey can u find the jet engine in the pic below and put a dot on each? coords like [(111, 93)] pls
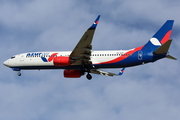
[(62, 61), (73, 73)]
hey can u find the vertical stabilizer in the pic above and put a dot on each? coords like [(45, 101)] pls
[(160, 37)]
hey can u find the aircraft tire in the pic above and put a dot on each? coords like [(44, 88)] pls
[(88, 76), (19, 74)]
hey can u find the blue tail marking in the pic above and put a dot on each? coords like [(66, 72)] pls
[(160, 37)]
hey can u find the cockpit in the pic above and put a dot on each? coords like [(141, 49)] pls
[(12, 57), (11, 61)]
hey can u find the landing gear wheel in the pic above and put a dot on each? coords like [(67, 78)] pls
[(88, 76), (19, 74)]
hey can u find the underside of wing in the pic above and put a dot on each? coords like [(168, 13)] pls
[(100, 72), (82, 52)]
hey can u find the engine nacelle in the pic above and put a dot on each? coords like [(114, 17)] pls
[(73, 73), (62, 61)]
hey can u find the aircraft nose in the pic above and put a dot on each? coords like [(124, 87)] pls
[(6, 63)]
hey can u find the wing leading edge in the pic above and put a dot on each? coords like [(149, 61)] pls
[(82, 52)]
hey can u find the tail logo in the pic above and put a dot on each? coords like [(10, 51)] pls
[(155, 42)]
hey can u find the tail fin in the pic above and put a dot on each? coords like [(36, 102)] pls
[(160, 37)]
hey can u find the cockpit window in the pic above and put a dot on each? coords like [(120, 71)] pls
[(13, 57)]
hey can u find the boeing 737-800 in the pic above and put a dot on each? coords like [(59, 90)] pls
[(82, 59)]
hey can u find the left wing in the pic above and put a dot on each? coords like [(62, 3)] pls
[(82, 52), (100, 72)]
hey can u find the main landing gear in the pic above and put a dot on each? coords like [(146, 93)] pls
[(88, 76), (87, 69)]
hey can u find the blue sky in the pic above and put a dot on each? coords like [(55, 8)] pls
[(148, 92)]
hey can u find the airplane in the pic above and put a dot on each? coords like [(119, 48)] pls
[(82, 59)]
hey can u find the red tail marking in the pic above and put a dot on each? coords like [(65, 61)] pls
[(166, 37), (97, 22)]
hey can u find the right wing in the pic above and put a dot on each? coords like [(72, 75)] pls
[(82, 52)]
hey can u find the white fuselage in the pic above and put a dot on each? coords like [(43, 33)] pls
[(34, 58)]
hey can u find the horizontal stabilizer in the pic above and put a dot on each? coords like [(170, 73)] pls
[(100, 72), (171, 57), (164, 48)]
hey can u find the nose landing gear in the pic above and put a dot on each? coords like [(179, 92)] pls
[(18, 70), (19, 73)]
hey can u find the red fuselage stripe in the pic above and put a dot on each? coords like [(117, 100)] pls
[(123, 56)]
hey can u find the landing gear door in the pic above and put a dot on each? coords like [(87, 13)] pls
[(140, 55)]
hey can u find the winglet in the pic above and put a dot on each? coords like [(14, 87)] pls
[(95, 23), (121, 72)]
